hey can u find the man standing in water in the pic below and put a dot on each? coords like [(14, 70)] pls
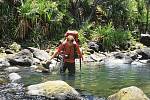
[(69, 50)]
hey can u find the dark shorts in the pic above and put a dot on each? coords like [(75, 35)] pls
[(69, 66)]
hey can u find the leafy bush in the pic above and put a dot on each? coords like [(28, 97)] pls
[(47, 10), (85, 32), (45, 17), (111, 38)]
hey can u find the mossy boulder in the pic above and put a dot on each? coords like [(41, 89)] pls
[(129, 93), (15, 47), (56, 89), (3, 78)]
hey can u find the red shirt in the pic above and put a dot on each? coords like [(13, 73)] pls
[(65, 49)]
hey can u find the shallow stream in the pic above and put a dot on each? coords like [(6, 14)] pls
[(96, 82)]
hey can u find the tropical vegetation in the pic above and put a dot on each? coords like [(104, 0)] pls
[(114, 23)]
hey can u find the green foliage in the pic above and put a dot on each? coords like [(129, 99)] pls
[(40, 20), (81, 37), (33, 9), (7, 21), (126, 14), (46, 18), (111, 37), (85, 32), (142, 10)]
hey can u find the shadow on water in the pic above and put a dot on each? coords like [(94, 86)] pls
[(94, 82)]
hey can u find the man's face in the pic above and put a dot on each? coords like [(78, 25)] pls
[(70, 42)]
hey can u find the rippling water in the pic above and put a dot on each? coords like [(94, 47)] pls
[(97, 81)]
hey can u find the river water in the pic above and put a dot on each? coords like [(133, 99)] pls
[(96, 82)]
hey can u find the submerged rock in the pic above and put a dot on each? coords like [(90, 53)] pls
[(57, 89), (14, 77), (129, 93)]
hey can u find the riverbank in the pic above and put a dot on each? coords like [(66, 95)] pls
[(24, 67)]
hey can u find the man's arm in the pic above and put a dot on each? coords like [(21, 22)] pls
[(56, 52)]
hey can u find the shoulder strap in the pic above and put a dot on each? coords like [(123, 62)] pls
[(75, 49), (63, 47)]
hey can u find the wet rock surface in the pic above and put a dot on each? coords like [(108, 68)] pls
[(14, 91), (145, 38), (129, 93), (3, 78), (22, 58), (4, 63), (17, 91), (39, 54), (57, 89)]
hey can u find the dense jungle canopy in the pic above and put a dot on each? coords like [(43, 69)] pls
[(109, 22)]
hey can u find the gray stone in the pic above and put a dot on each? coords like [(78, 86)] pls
[(119, 55), (36, 61), (8, 51), (22, 58), (129, 93), (93, 46), (57, 89), (39, 54), (14, 77), (145, 39), (4, 63), (12, 69), (144, 52)]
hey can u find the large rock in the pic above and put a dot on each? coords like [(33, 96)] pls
[(22, 58), (58, 90), (40, 54), (129, 93), (93, 46), (36, 61), (4, 63), (117, 58), (1, 1), (145, 38), (133, 55), (144, 52)]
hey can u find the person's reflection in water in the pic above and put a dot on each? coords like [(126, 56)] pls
[(69, 78)]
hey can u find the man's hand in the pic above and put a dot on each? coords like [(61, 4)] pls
[(46, 63)]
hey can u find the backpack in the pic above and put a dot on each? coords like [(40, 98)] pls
[(74, 34)]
